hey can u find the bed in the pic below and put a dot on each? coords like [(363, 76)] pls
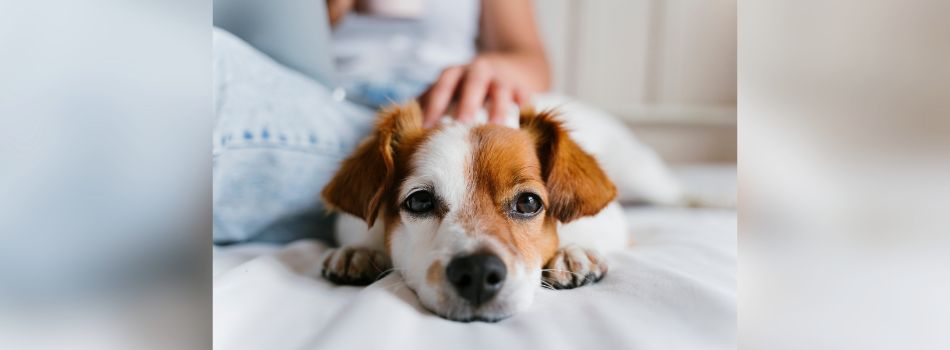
[(675, 288)]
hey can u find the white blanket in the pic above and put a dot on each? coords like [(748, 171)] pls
[(674, 289)]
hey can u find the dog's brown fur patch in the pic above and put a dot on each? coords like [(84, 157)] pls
[(434, 273), (578, 186), (504, 165), (365, 178)]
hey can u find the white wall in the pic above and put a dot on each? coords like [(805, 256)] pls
[(661, 65)]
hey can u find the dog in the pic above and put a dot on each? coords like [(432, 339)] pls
[(475, 218)]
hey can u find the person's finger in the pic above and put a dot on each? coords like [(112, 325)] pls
[(500, 95), (521, 96), (474, 89), (439, 96)]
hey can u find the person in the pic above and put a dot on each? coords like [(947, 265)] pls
[(284, 120)]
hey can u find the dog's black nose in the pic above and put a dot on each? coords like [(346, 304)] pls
[(477, 278)]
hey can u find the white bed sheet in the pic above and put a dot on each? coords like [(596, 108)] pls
[(674, 289)]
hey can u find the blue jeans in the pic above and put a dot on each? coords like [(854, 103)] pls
[(279, 136)]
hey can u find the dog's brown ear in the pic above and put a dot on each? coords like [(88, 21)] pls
[(577, 186), (364, 179)]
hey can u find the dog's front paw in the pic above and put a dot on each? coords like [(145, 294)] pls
[(573, 267), (355, 265)]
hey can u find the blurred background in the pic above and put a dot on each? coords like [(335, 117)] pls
[(845, 112), (666, 67)]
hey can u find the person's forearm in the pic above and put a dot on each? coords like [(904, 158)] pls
[(508, 32)]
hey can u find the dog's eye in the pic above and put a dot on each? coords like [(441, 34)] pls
[(528, 204), (420, 202)]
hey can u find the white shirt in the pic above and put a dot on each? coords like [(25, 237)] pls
[(381, 49)]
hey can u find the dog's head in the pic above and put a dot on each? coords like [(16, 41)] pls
[(469, 212)]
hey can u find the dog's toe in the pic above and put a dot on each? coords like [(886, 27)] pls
[(355, 265), (573, 267)]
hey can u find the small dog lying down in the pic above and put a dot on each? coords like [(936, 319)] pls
[(471, 215)]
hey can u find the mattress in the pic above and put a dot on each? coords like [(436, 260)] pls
[(674, 288)]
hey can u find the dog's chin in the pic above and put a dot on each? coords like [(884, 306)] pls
[(466, 314), (455, 309)]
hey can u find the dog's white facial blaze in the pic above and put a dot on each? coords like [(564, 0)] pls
[(422, 247)]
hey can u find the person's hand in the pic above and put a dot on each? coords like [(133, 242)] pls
[(471, 86), (336, 9)]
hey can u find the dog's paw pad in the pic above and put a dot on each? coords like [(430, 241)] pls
[(355, 266), (573, 267)]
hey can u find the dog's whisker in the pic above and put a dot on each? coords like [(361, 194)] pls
[(397, 285), (382, 275), (571, 272), (391, 269)]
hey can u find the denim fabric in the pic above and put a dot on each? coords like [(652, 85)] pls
[(393, 88), (278, 138)]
